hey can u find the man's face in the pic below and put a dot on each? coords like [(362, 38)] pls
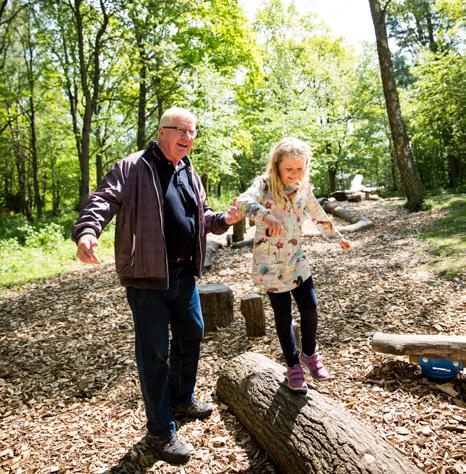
[(177, 137)]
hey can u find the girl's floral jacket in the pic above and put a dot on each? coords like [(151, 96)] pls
[(278, 262)]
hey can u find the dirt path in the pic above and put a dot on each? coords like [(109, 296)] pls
[(70, 399)]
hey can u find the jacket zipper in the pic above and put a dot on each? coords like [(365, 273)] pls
[(199, 222), (161, 219), (133, 248)]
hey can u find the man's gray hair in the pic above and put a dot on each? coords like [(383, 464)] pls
[(176, 112)]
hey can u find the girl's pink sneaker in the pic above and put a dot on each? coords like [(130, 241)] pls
[(295, 377), (315, 366)]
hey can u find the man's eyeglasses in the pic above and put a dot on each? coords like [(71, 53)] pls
[(182, 131)]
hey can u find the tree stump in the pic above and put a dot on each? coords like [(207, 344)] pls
[(216, 304), (253, 312), (303, 433), (297, 334)]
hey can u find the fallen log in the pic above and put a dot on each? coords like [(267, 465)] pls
[(303, 433), (415, 346), (357, 222), (211, 248), (242, 243)]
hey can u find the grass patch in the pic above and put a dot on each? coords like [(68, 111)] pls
[(30, 252), (446, 234), (35, 252)]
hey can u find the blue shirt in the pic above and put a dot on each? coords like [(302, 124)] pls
[(180, 207)]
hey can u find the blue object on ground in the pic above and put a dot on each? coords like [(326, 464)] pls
[(440, 369)]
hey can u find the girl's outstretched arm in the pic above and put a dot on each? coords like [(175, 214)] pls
[(326, 227)]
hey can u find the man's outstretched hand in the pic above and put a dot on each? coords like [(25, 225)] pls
[(85, 252), (233, 215)]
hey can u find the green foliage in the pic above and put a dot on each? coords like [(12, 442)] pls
[(437, 118), (221, 203), (33, 252), (446, 235), (249, 85)]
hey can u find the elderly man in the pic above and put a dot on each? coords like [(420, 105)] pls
[(160, 241)]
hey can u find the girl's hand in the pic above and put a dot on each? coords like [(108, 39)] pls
[(274, 226), (345, 244)]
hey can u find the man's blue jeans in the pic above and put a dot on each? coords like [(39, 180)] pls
[(167, 368)]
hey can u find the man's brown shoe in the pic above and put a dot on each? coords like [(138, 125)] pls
[(169, 449), (195, 409)]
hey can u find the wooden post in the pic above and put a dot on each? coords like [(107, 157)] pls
[(239, 230), (216, 304), (303, 433), (253, 312), (297, 334)]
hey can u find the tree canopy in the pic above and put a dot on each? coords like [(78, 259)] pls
[(85, 82)]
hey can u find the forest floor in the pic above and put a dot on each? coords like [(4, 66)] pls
[(70, 398)]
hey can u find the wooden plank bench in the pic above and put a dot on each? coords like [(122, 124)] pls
[(440, 357)]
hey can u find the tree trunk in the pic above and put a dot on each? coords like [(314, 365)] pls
[(34, 158), (216, 304), (332, 179), (205, 182), (303, 433), (55, 188), (410, 178), (142, 100), (332, 171), (91, 88)]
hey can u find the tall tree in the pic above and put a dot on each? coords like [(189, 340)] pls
[(32, 67), (409, 174), (79, 32)]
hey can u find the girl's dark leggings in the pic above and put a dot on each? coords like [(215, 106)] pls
[(306, 300)]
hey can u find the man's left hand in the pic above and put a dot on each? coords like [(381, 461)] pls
[(233, 215)]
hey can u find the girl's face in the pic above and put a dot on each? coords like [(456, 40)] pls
[(291, 170)]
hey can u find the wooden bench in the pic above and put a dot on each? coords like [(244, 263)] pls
[(440, 357)]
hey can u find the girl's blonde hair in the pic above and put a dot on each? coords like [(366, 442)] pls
[(295, 148)]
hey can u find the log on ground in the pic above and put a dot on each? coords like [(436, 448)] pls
[(242, 243), (357, 221), (211, 248), (448, 347), (303, 433)]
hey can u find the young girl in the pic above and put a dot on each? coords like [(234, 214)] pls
[(278, 202)]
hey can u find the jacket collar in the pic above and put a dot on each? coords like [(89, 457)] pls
[(155, 153)]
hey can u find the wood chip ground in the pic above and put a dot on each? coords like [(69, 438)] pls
[(70, 398)]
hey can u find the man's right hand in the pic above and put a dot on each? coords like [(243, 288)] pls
[(85, 252)]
